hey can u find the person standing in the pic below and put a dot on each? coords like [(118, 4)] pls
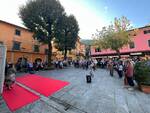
[(10, 75), (129, 74), (111, 68), (30, 67), (120, 69), (95, 64)]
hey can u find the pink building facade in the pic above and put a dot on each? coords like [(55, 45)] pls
[(140, 46)]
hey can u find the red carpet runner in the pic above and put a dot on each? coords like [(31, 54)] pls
[(18, 97), (43, 85)]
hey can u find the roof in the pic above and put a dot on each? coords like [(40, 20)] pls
[(14, 25), (147, 26)]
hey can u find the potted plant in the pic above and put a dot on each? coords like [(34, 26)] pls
[(142, 75)]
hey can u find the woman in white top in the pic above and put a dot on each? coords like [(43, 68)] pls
[(120, 69)]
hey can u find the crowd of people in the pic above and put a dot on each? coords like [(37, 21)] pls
[(124, 68), (85, 64), (20, 66), (27, 66)]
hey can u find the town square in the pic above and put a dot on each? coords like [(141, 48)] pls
[(74, 56)]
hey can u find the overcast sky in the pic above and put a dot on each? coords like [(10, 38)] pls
[(90, 14)]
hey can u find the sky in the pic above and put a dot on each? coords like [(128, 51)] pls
[(91, 15)]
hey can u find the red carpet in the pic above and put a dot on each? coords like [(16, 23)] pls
[(18, 97), (44, 85)]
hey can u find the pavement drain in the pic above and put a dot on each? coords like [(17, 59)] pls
[(66, 105), (61, 102)]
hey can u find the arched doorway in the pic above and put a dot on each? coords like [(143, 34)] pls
[(38, 60)]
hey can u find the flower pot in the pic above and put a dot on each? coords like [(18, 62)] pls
[(145, 88)]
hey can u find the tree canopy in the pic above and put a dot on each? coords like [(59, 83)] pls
[(67, 33), (115, 36), (41, 17)]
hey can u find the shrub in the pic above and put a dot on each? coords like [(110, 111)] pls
[(142, 73)]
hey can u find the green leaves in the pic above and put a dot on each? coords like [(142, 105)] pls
[(67, 34), (115, 36), (40, 16), (48, 20), (142, 73)]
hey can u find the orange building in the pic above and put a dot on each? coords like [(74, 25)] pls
[(80, 48), (20, 43), (79, 51)]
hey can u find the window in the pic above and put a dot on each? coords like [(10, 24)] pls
[(16, 46), (46, 51), (146, 31), (97, 50), (149, 43), (131, 45), (36, 48), (17, 32)]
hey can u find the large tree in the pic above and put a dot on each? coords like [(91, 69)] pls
[(115, 36), (67, 34), (41, 17)]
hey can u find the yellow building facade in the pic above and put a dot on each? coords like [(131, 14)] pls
[(78, 52), (20, 43)]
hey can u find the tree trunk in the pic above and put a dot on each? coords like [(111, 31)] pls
[(49, 53), (65, 54), (118, 52)]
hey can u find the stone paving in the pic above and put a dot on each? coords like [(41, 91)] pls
[(104, 95)]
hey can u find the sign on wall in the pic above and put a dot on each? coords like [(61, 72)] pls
[(2, 66)]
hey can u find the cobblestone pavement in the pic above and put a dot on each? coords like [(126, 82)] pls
[(104, 95)]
